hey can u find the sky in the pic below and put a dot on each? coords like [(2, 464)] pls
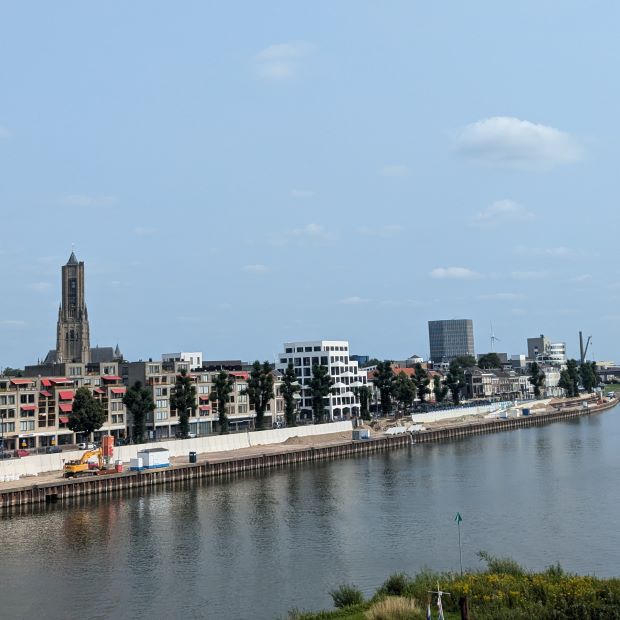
[(237, 175)]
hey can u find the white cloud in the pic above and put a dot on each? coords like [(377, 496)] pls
[(500, 213), (302, 193), (584, 277), (515, 143), (353, 300), (397, 170), (310, 233), (40, 287), (454, 273), (500, 297), (84, 200), (258, 269), (557, 252), (387, 230), (280, 61)]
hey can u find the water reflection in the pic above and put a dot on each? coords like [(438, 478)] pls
[(256, 545)]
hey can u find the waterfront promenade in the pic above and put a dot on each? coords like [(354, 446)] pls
[(294, 450)]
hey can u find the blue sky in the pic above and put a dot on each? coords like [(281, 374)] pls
[(242, 174)]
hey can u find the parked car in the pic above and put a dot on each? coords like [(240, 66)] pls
[(86, 446), (53, 449), (21, 452)]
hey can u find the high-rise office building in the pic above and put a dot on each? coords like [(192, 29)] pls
[(449, 339)]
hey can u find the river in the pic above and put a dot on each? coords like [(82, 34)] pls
[(255, 546)]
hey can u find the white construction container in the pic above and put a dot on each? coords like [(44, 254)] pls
[(155, 457)]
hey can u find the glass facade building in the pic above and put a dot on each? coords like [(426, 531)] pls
[(449, 339)]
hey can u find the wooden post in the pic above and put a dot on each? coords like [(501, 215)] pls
[(464, 608)]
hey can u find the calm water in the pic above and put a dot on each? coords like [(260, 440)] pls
[(255, 546)]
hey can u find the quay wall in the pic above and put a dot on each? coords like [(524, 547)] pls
[(39, 463), (64, 489)]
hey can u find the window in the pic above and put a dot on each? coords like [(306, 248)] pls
[(308, 349), (8, 427), (117, 419), (162, 403), (300, 349), (315, 361), (161, 415), (74, 371), (243, 398), (298, 361), (203, 389), (307, 372), (243, 408), (26, 425), (289, 350), (283, 360), (317, 348), (117, 406), (306, 361), (152, 369)]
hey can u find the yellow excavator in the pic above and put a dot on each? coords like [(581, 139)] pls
[(82, 467)]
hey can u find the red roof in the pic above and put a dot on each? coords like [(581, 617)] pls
[(63, 419), (99, 391), (46, 393), (66, 407), (204, 407), (118, 390), (240, 374), (28, 407), (203, 397), (22, 381), (66, 394), (46, 383), (111, 378)]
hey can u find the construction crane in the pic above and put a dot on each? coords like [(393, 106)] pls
[(583, 352)]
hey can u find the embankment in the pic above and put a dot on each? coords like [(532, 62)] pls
[(62, 489)]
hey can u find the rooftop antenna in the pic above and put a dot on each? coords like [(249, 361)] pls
[(494, 339)]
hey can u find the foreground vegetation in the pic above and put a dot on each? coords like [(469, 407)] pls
[(503, 591)]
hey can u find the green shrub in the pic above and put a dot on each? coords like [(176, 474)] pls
[(398, 584), (346, 596), (501, 566)]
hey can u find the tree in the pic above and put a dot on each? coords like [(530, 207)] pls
[(403, 390), (289, 388), (260, 390), (489, 360), (139, 403), (87, 414), (537, 379), (566, 383), (573, 372), (320, 388), (441, 391), (465, 361), (455, 380), (220, 392), (589, 376), (12, 372), (184, 401), (421, 380), (384, 380), (364, 395)]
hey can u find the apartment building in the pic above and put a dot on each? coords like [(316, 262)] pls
[(160, 378), (34, 411), (343, 403)]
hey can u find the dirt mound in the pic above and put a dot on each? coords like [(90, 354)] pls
[(318, 439)]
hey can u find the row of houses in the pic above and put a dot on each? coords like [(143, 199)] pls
[(34, 411)]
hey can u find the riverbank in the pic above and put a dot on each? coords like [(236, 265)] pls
[(503, 590), (290, 452)]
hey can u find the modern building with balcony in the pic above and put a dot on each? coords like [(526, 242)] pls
[(343, 403)]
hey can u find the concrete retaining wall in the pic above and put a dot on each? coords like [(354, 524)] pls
[(39, 463)]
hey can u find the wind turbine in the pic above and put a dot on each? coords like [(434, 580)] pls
[(494, 339)]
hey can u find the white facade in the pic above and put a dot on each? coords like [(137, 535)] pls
[(334, 355), (194, 359)]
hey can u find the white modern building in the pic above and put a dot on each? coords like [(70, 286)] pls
[(194, 359), (334, 355)]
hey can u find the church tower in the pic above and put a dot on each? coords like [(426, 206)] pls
[(73, 335)]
